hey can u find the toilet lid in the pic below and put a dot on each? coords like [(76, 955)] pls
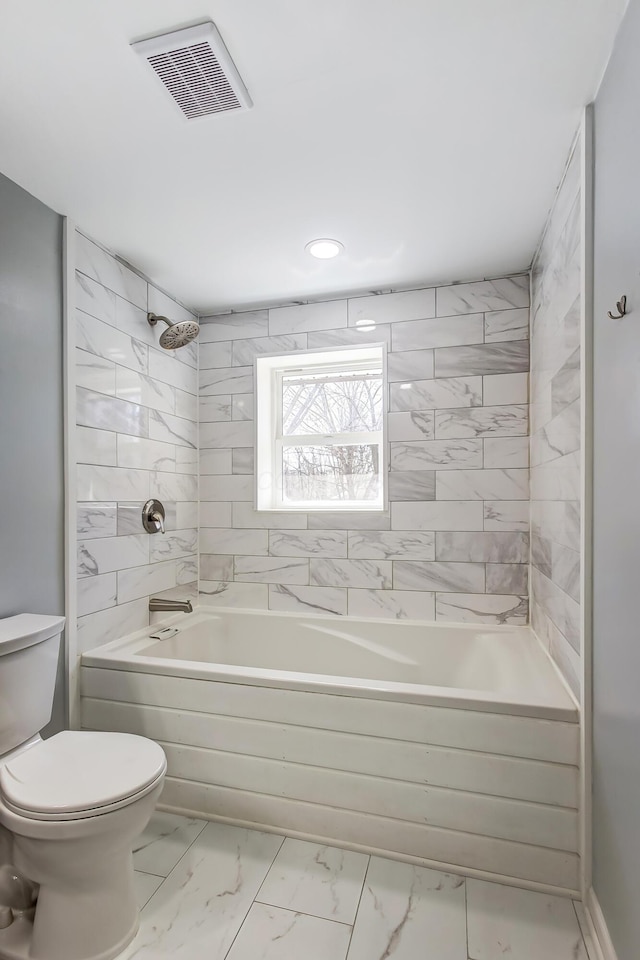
[(74, 772)]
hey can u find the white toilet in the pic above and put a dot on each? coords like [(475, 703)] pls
[(72, 804)]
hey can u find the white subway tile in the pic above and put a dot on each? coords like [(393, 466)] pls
[(141, 389), (317, 600), (143, 454), (104, 341), (481, 608), (167, 368), (392, 604), (442, 332), (506, 388), (112, 483), (436, 394), (95, 373), (145, 581), (94, 299), (95, 446), (246, 596), (235, 434), (506, 515), (166, 306), (437, 516), (170, 486), (351, 573), (301, 318), (170, 429), (506, 325), (238, 542), (215, 461), (244, 352), (393, 307), (382, 545), (234, 326), (484, 295), (173, 545), (232, 487), (215, 515), (96, 593), (482, 485), (95, 262), (96, 520), (225, 380), (104, 626), (449, 577), (215, 409), (112, 553), (272, 569), (308, 543), (506, 452), (214, 355)]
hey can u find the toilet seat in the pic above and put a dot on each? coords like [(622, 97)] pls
[(76, 775)]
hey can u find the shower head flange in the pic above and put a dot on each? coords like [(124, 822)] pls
[(177, 334)]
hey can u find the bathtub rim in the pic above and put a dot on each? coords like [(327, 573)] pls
[(122, 654)]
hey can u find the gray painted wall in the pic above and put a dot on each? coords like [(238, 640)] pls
[(31, 411), (617, 494)]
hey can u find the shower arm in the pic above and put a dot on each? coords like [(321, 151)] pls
[(154, 317)]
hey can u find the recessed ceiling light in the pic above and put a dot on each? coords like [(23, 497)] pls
[(324, 249)]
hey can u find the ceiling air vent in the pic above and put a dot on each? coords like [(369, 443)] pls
[(195, 67)]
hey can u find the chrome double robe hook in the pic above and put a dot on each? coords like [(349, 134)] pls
[(622, 309)]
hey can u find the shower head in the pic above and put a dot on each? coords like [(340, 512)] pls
[(177, 334)]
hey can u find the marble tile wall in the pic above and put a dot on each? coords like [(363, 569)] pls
[(454, 544), (136, 437), (556, 428)]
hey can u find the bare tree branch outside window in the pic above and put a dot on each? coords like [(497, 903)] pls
[(322, 408)]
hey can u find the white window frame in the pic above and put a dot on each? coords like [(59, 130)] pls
[(270, 442)]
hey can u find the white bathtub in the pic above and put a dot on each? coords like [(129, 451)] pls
[(455, 745)]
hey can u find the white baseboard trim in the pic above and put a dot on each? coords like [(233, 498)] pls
[(469, 872), (598, 928)]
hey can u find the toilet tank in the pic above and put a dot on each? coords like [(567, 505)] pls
[(29, 644)]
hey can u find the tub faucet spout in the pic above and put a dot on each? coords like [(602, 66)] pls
[(157, 604)]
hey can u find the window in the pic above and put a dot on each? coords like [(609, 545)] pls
[(320, 430)]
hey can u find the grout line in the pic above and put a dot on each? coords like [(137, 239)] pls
[(301, 913), (591, 955), (466, 915), (355, 919), (273, 860)]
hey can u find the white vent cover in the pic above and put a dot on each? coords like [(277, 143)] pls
[(195, 67)]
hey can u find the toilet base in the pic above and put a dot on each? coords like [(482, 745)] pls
[(16, 939), (87, 907)]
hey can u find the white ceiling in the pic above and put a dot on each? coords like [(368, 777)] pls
[(427, 135)]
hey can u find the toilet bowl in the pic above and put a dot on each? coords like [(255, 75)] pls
[(74, 805), (70, 807)]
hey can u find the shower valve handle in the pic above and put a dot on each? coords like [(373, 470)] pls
[(153, 516)]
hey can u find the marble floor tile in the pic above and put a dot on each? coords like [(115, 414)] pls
[(237, 894), (198, 910), (521, 924), (319, 880), (145, 885), (165, 840), (410, 913), (271, 933)]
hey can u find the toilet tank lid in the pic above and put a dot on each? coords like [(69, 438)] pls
[(78, 771), (27, 629)]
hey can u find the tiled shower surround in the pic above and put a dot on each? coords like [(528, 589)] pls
[(454, 544), (556, 428), (136, 437)]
